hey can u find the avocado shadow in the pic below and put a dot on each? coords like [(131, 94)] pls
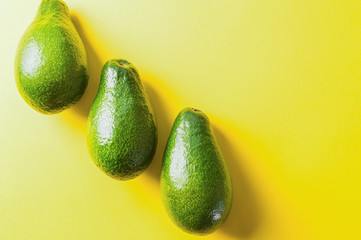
[(95, 65), (163, 127), (244, 216)]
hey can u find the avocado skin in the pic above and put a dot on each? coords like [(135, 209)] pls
[(195, 182), (51, 63), (121, 129)]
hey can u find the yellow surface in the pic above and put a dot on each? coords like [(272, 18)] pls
[(280, 81)]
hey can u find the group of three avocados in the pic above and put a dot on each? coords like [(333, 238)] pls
[(51, 75)]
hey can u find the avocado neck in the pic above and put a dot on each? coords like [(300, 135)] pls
[(53, 7), (113, 79)]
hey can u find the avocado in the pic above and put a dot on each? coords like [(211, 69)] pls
[(121, 128), (195, 182), (51, 63)]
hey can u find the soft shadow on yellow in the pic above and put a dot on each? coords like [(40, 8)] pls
[(245, 213), (78, 114), (162, 110)]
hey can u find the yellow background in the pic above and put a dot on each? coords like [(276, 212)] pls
[(279, 80)]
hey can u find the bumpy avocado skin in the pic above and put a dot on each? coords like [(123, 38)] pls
[(121, 129), (195, 182), (51, 63)]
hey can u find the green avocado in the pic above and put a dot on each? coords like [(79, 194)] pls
[(51, 64), (195, 182), (121, 129)]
